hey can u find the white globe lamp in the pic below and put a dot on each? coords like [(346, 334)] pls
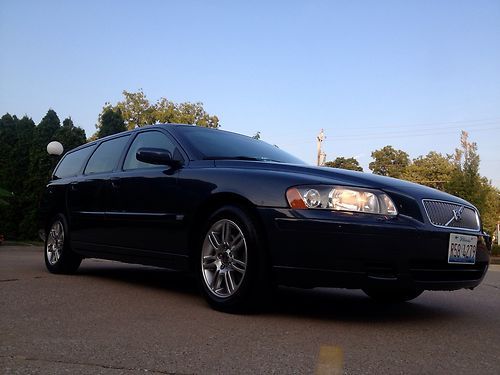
[(55, 148)]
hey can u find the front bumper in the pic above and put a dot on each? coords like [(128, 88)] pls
[(322, 248)]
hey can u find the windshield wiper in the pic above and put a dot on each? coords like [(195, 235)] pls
[(238, 158)]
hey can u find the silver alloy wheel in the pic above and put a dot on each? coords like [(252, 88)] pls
[(224, 258), (55, 242)]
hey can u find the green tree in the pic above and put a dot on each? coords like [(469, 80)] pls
[(16, 137), (490, 214), (40, 167), (25, 167), (4, 197), (345, 163), (138, 111), (467, 183), (433, 170), (110, 122), (466, 180), (8, 140), (389, 162), (69, 135), (166, 111)]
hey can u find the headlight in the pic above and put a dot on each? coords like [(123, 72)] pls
[(341, 198)]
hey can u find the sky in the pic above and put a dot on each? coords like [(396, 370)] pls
[(411, 74)]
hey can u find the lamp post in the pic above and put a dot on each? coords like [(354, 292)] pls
[(55, 148)]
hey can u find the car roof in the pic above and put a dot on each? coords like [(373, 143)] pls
[(154, 126)]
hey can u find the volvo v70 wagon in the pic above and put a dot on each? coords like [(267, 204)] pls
[(245, 215)]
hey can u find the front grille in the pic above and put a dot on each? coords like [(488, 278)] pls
[(451, 215)]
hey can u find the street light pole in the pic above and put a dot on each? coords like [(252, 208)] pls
[(321, 154)]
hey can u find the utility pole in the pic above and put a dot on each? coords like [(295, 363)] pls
[(321, 154)]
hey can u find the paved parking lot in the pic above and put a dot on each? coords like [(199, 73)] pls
[(114, 318)]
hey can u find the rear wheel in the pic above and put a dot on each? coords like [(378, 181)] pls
[(231, 266), (59, 258), (392, 295)]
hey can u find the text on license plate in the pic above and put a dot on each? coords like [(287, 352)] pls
[(462, 249)]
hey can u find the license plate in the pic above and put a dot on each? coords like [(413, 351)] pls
[(462, 249)]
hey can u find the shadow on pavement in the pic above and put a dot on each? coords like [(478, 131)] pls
[(320, 303), (353, 306), (150, 277)]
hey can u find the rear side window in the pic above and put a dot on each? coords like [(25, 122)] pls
[(106, 157), (72, 163)]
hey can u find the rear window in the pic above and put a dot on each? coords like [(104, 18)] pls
[(72, 162), (106, 157)]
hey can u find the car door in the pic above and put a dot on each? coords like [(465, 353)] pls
[(144, 214), (88, 197)]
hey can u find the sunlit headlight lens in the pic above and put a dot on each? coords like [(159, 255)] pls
[(312, 198), (341, 198), (353, 200)]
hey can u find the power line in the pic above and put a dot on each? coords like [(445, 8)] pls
[(404, 134), (432, 125)]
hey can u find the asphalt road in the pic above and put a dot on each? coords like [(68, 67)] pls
[(114, 318)]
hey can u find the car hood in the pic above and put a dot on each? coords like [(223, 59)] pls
[(327, 175)]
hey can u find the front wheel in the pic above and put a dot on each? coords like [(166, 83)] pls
[(59, 258), (231, 266), (392, 295)]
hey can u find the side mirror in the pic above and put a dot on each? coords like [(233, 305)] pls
[(157, 156)]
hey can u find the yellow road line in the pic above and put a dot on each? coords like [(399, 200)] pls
[(330, 361)]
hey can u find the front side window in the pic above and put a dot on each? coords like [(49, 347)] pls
[(106, 157), (152, 139), (72, 163)]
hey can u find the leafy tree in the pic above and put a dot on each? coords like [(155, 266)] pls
[(345, 163), (490, 214), (389, 162), (4, 196), (137, 110), (433, 170), (166, 111), (70, 135), (465, 180), (8, 139), (467, 183), (16, 137), (40, 167), (110, 122)]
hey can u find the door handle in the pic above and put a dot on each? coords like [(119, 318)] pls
[(115, 183)]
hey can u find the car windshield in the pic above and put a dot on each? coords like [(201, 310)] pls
[(215, 144)]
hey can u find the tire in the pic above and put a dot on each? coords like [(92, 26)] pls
[(392, 295), (232, 269), (59, 258)]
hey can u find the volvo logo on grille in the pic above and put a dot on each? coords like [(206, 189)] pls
[(457, 215)]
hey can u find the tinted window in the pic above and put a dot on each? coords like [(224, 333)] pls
[(149, 139), (72, 163), (218, 144), (105, 158)]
